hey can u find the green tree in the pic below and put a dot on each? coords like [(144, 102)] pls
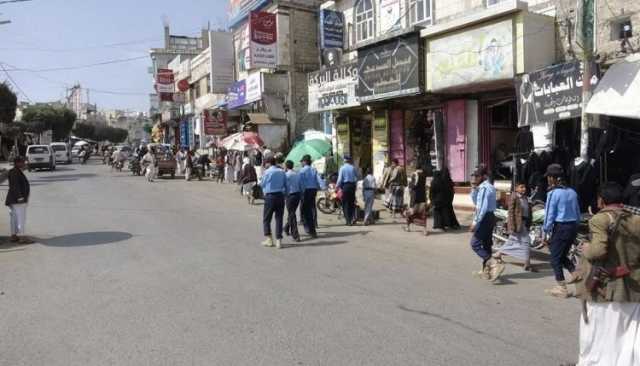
[(8, 104), (40, 118), (84, 130)]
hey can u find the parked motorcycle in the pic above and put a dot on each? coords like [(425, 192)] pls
[(331, 201)]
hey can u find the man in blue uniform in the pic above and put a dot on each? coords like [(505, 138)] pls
[(274, 187), (562, 215), (347, 180), (309, 186), (483, 196), (293, 200)]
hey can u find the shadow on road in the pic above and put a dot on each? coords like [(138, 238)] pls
[(315, 244), (341, 234), (86, 239)]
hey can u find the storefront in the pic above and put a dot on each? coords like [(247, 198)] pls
[(471, 70), (390, 73), (259, 104), (615, 100)]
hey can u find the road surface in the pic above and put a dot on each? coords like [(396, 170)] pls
[(171, 273)]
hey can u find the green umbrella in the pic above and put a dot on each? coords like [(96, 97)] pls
[(316, 148)]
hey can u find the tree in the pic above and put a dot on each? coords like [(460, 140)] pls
[(84, 130), (40, 118), (8, 104)]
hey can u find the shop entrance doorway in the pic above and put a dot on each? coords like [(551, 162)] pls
[(498, 131)]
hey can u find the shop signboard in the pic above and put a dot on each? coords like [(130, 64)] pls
[(253, 87), (237, 94), (184, 132), (343, 134), (379, 144), (333, 88), (221, 61), (390, 15), (238, 9), (551, 94), (477, 55), (165, 81), (264, 39), (331, 29), (389, 69), (215, 123)]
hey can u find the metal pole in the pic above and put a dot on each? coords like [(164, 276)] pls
[(587, 32)]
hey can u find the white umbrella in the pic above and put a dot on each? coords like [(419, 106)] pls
[(316, 135)]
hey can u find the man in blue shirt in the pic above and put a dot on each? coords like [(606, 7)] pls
[(294, 194), (483, 196), (274, 187), (562, 215), (309, 186), (347, 180)]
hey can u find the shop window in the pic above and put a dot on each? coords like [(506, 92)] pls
[(621, 29), (364, 20), (421, 11)]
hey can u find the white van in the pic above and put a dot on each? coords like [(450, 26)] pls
[(61, 151), (40, 157)]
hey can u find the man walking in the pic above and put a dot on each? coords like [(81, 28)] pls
[(347, 180), (610, 325), (309, 186), (17, 200), (483, 196), (561, 220), (274, 187), (293, 200), (369, 187), (188, 166)]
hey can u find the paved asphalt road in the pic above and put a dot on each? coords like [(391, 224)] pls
[(171, 273)]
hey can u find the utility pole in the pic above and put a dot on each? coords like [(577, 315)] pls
[(585, 31)]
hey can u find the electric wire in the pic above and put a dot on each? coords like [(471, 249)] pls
[(14, 83)]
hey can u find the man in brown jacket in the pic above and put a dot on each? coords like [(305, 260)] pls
[(610, 325)]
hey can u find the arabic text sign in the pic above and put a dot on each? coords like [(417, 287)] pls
[(481, 54), (236, 96), (264, 39), (389, 69), (331, 29), (253, 87), (165, 81), (390, 15), (551, 94), (215, 123), (333, 88)]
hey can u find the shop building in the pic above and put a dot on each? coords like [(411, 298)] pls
[(274, 47)]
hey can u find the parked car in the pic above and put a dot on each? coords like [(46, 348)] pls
[(40, 157), (62, 152)]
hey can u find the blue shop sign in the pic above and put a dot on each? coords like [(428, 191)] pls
[(331, 29), (237, 95)]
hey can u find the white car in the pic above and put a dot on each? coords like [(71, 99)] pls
[(61, 151), (76, 148), (40, 157)]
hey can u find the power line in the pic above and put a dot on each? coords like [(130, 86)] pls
[(12, 1), (66, 68), (14, 83)]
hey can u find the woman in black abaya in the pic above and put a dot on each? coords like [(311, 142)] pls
[(441, 195)]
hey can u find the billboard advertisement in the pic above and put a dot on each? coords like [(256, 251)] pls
[(264, 40)]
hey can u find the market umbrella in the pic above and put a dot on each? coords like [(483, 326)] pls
[(316, 135), (242, 141), (315, 148)]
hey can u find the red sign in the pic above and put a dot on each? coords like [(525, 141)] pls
[(166, 97), (164, 81), (264, 37), (183, 85), (215, 123)]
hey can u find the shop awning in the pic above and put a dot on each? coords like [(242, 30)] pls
[(264, 119), (618, 92)]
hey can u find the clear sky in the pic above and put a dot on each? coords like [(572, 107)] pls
[(47, 34)]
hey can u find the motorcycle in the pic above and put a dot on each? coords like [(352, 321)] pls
[(331, 202), (538, 238), (135, 167)]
